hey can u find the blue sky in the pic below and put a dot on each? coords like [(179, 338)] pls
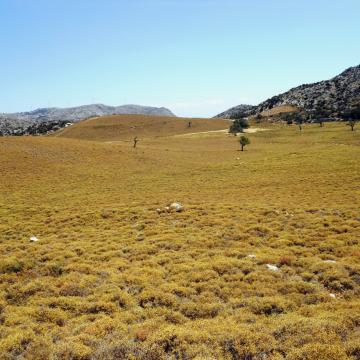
[(197, 57)]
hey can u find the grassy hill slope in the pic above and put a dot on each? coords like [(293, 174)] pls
[(279, 110), (125, 127), (110, 278)]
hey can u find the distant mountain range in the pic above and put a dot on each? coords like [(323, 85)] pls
[(47, 119), (329, 98)]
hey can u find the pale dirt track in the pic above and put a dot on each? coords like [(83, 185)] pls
[(224, 131), (247, 131)]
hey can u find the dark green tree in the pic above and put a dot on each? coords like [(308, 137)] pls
[(238, 125), (243, 142), (352, 116), (298, 119), (293, 117), (136, 140), (319, 114), (352, 124)]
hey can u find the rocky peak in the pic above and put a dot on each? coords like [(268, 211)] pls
[(332, 97)]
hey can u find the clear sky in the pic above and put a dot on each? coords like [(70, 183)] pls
[(197, 57)]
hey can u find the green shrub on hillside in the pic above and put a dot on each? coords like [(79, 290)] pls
[(238, 126)]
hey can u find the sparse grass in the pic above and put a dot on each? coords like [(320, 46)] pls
[(126, 127), (111, 279)]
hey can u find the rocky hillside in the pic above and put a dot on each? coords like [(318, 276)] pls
[(328, 98), (44, 120), (242, 110)]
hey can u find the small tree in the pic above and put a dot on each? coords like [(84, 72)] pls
[(189, 124), (298, 120), (290, 118), (136, 140), (238, 125), (352, 116), (320, 113), (243, 142), (352, 123)]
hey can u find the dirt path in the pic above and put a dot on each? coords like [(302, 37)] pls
[(247, 131), (224, 131), (254, 130)]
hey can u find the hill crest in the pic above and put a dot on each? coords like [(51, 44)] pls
[(126, 127)]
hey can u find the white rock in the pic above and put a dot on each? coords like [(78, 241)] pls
[(251, 256), (176, 206), (330, 261), (272, 267), (34, 239), (332, 296)]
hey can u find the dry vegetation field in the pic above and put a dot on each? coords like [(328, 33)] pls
[(110, 278), (125, 127)]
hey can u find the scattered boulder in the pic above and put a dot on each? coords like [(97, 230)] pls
[(333, 296), (176, 207), (251, 256), (272, 267), (330, 261), (173, 207), (33, 239)]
